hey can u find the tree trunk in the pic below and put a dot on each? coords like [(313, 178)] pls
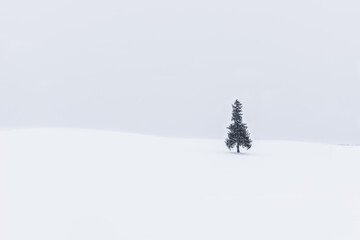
[(237, 147)]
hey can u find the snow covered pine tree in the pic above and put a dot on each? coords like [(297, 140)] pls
[(238, 134)]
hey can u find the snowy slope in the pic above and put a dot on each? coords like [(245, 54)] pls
[(83, 184)]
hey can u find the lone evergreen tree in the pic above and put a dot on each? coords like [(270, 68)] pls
[(238, 134)]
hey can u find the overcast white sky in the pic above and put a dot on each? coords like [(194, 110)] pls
[(175, 67)]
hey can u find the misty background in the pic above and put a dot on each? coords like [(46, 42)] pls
[(174, 68)]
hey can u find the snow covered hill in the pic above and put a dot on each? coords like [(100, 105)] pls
[(84, 184)]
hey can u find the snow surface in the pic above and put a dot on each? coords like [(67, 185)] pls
[(85, 184)]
